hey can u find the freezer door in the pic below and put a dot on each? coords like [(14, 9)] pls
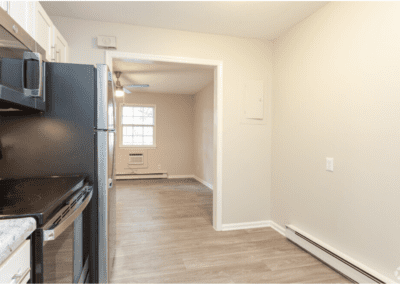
[(112, 203), (105, 98), (107, 202)]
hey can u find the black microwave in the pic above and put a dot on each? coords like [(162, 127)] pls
[(22, 87)]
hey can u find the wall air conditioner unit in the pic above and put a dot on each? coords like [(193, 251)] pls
[(136, 159)]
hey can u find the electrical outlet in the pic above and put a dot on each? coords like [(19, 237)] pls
[(159, 167), (329, 164)]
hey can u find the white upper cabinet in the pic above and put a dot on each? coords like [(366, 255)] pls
[(44, 30), (18, 10), (5, 5), (31, 16), (23, 13), (60, 47)]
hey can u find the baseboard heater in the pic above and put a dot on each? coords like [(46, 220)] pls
[(340, 262), (142, 176)]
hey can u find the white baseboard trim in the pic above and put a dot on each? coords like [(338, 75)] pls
[(148, 176), (278, 228), (251, 225), (246, 225), (209, 185), (180, 176), (343, 263)]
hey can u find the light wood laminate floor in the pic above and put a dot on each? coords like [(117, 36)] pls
[(165, 235)]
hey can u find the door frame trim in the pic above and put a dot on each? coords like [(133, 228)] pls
[(218, 115)]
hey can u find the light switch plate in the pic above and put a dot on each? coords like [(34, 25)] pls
[(329, 164)]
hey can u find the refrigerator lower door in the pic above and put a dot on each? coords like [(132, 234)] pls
[(107, 202), (112, 229)]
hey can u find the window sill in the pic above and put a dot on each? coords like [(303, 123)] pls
[(137, 147)]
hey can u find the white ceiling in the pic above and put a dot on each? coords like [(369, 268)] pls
[(164, 77), (253, 19)]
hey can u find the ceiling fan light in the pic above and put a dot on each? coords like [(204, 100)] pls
[(119, 92)]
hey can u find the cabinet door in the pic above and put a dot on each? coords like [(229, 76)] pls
[(44, 30), (23, 13), (18, 10), (15, 269), (60, 47), (31, 21), (5, 5)]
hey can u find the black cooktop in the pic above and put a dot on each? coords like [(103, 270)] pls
[(36, 197)]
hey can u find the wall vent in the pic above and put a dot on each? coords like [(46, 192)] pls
[(136, 159)]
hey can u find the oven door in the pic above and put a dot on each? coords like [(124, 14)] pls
[(55, 257)]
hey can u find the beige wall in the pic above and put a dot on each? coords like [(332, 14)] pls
[(174, 135), (203, 125), (337, 94), (245, 185)]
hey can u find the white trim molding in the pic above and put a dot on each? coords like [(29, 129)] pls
[(218, 114), (180, 176), (252, 225), (142, 176), (278, 228), (246, 225), (209, 185)]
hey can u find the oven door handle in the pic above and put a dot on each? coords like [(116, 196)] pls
[(54, 231)]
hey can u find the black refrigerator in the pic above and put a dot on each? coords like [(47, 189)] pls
[(75, 134)]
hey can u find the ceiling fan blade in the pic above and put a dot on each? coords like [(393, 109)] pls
[(137, 86), (127, 91)]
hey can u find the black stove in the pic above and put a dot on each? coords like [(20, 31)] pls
[(55, 202), (39, 197)]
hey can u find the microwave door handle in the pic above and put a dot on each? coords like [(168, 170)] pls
[(33, 56), (53, 232)]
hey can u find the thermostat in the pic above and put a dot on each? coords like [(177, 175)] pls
[(107, 41)]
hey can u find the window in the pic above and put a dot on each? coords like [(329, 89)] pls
[(138, 126)]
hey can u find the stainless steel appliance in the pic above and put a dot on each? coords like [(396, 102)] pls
[(55, 203), (21, 71), (106, 173), (73, 134)]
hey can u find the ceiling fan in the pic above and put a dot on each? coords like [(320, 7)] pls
[(121, 89)]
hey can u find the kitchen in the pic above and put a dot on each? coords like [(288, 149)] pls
[(269, 178), (57, 150)]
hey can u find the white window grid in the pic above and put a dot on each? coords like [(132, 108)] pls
[(138, 126)]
